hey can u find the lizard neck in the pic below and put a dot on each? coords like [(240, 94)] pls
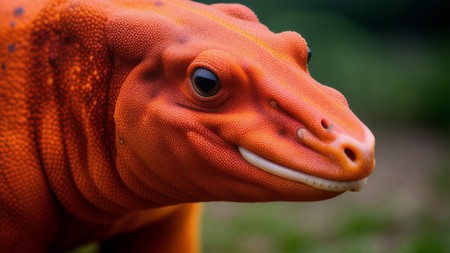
[(76, 138), (71, 98)]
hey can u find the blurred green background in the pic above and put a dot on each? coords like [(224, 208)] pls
[(391, 59)]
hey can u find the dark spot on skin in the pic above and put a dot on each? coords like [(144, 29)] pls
[(282, 132), (273, 104), (158, 3), (52, 59), (153, 93), (12, 24), (12, 48), (69, 40), (19, 11), (3, 66), (183, 40)]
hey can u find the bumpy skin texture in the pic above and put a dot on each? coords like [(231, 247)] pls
[(103, 137)]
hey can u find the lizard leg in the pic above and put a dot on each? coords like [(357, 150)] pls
[(28, 215), (178, 232)]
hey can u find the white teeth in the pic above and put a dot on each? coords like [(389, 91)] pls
[(313, 181)]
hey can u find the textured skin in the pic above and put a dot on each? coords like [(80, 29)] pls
[(102, 136)]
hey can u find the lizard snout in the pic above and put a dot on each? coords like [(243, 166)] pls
[(355, 157)]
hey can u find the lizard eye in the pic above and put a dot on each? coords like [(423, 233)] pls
[(309, 55), (205, 82)]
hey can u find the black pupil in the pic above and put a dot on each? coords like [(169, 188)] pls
[(309, 55), (205, 82)]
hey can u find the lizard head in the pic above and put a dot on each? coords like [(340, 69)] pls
[(214, 106)]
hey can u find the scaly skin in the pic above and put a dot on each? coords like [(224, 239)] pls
[(104, 134)]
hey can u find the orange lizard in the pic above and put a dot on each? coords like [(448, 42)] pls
[(118, 116)]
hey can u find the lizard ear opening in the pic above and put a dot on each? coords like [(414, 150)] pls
[(238, 11)]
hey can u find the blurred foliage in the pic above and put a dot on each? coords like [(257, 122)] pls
[(391, 59), (268, 228)]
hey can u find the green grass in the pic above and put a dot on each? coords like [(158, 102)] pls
[(260, 228), (256, 228)]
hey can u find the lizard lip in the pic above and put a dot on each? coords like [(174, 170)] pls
[(294, 175)]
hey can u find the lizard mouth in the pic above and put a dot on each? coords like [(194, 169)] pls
[(294, 175)]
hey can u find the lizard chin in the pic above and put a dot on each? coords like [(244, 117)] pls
[(294, 175)]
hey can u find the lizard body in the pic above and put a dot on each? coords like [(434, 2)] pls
[(118, 116)]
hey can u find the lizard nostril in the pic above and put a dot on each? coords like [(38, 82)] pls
[(324, 124), (350, 154)]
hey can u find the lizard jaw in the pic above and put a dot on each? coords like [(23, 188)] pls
[(313, 181)]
